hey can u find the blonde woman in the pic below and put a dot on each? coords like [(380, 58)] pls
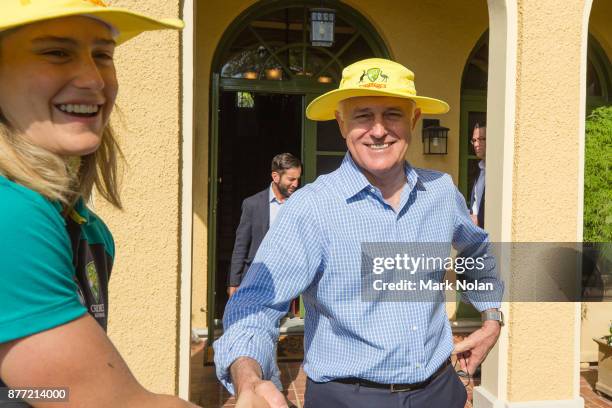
[(57, 89)]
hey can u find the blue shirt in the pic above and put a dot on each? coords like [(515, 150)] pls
[(314, 249)]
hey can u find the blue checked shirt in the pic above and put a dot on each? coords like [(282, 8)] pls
[(314, 249)]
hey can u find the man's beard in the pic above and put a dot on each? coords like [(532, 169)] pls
[(284, 190)]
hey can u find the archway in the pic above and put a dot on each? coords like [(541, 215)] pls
[(474, 98), (264, 73)]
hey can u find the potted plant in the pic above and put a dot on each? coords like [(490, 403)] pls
[(604, 377)]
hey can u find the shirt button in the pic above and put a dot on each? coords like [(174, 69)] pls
[(417, 365), (414, 328)]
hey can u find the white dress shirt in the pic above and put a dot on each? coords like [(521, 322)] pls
[(478, 190)]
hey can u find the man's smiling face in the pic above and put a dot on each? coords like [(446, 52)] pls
[(377, 130)]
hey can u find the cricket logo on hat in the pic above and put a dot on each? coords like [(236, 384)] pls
[(93, 280), (376, 77)]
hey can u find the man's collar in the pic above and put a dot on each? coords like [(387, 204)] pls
[(271, 196), (482, 164), (354, 181)]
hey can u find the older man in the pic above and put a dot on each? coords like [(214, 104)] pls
[(360, 353)]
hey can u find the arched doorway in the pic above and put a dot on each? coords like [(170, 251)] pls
[(264, 74), (474, 99)]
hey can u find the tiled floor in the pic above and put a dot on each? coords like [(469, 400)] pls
[(208, 392), (588, 378)]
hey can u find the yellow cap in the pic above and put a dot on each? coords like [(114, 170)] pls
[(127, 24), (373, 77)]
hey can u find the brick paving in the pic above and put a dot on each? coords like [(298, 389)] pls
[(207, 392), (588, 378)]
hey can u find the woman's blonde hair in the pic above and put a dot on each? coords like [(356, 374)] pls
[(53, 176)]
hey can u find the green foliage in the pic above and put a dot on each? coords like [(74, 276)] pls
[(598, 176)]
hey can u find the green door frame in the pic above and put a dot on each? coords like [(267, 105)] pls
[(212, 207), (294, 85)]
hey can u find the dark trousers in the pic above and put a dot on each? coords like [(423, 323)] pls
[(444, 391)]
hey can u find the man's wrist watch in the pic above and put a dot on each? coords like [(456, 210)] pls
[(493, 314)]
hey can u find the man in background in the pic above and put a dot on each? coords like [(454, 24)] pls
[(259, 212), (477, 198)]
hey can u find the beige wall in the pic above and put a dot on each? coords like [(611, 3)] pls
[(546, 189), (433, 38), (144, 285)]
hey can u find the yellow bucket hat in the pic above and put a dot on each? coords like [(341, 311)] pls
[(373, 77), (126, 24)]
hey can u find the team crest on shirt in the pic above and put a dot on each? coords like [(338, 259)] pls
[(93, 280)]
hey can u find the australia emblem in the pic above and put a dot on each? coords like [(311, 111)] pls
[(375, 76)]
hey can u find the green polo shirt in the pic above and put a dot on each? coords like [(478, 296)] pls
[(52, 269)]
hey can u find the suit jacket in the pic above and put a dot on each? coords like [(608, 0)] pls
[(254, 224)]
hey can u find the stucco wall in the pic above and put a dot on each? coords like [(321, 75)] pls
[(545, 188), (433, 38), (144, 285)]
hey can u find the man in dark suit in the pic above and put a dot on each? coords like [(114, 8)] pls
[(477, 198), (259, 212)]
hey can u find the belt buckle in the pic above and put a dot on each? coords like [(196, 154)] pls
[(394, 388)]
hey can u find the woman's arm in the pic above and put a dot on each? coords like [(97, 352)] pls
[(80, 357)]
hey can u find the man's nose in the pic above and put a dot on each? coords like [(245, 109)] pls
[(378, 130)]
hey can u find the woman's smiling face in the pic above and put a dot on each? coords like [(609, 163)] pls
[(58, 83)]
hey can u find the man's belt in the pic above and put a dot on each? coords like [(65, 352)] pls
[(395, 387)]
